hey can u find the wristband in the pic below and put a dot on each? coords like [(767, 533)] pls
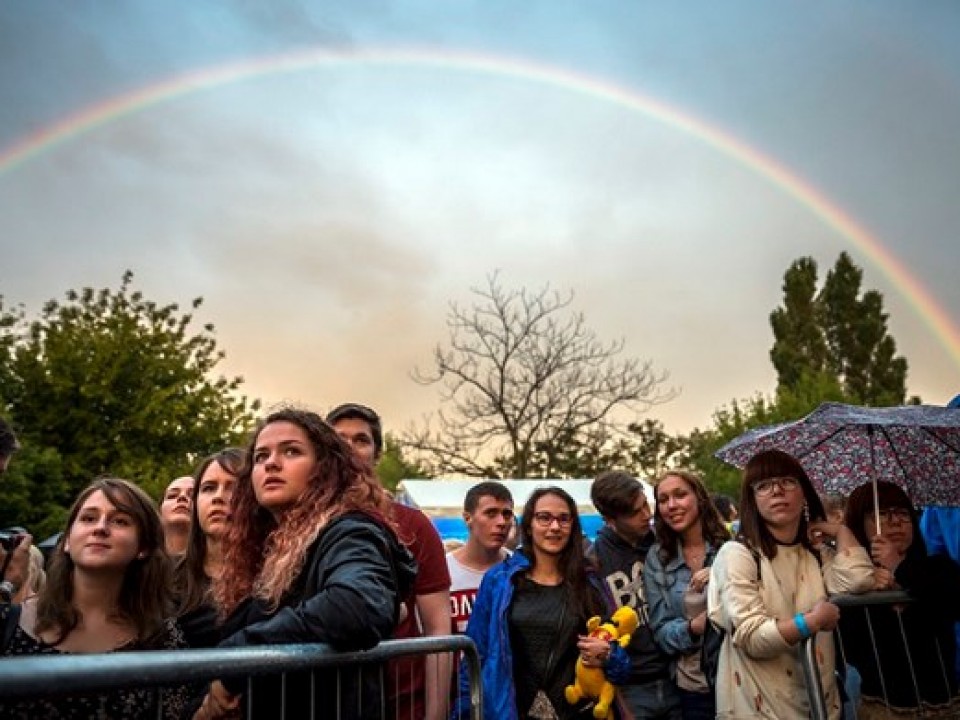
[(802, 626)]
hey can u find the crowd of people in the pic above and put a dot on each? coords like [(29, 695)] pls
[(292, 539)]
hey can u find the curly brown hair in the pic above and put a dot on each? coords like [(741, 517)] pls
[(262, 557)]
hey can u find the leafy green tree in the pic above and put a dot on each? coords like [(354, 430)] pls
[(728, 422), (117, 384), (521, 377), (33, 493), (837, 332), (829, 345), (394, 467)]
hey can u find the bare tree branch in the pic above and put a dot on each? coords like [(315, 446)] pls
[(520, 375)]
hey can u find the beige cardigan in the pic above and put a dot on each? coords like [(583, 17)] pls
[(759, 673)]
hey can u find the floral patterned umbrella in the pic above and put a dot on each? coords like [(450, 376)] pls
[(844, 446)]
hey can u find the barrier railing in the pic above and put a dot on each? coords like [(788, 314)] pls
[(854, 603), (48, 676)]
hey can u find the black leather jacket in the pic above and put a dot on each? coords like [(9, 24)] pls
[(347, 595)]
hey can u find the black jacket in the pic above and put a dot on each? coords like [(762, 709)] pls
[(620, 566), (934, 582), (346, 596)]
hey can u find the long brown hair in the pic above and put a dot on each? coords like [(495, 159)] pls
[(190, 578), (753, 530), (711, 523), (145, 600), (572, 562), (263, 558)]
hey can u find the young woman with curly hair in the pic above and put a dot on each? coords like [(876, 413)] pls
[(309, 557), (689, 532)]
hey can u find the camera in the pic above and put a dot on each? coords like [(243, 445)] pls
[(10, 537)]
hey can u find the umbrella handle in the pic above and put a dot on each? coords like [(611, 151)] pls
[(876, 504)]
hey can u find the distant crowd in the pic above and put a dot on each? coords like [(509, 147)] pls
[(693, 608)]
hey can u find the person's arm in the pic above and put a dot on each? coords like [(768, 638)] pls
[(478, 630), (434, 611), (354, 607), (670, 629), (848, 569), (736, 584)]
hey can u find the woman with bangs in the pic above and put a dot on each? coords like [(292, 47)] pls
[(529, 619), (689, 532), (107, 590), (768, 592), (309, 557), (214, 481), (914, 643)]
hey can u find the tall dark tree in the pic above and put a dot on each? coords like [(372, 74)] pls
[(799, 344), (837, 332), (521, 376), (114, 383)]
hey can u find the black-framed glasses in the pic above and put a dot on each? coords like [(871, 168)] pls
[(764, 488), (894, 514), (546, 519)]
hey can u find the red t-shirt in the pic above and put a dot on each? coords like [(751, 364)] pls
[(406, 676)]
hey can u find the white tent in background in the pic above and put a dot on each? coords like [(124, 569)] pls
[(444, 498)]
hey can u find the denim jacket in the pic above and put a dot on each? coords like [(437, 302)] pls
[(663, 587)]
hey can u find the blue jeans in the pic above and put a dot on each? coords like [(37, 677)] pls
[(654, 700), (698, 706)]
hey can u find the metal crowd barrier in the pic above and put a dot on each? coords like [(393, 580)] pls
[(818, 710), (46, 676)]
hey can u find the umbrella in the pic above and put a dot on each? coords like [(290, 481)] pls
[(843, 446)]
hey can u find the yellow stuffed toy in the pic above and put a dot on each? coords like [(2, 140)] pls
[(591, 682)]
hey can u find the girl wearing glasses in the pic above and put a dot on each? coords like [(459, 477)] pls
[(915, 643), (768, 593), (529, 616)]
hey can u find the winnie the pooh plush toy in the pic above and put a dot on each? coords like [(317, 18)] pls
[(591, 682)]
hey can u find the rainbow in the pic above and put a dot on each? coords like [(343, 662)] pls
[(926, 307)]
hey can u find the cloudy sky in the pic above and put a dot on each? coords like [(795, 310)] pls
[(328, 176)]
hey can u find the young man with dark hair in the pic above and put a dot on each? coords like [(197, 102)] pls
[(419, 686), (619, 553), (15, 550), (488, 513)]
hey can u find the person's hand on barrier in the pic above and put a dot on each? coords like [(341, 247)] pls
[(883, 579), (885, 553), (825, 616), (699, 579), (218, 704)]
